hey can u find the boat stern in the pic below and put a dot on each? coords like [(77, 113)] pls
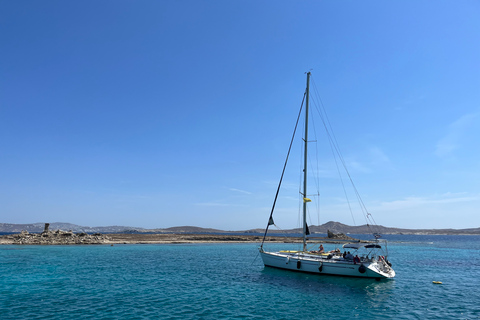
[(382, 269)]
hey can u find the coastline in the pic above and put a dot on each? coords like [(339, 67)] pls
[(123, 238), (69, 238), (136, 238), (335, 227)]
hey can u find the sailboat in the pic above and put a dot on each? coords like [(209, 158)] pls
[(369, 258)]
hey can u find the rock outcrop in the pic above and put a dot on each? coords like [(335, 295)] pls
[(59, 237), (340, 236)]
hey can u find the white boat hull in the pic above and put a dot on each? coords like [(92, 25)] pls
[(311, 263)]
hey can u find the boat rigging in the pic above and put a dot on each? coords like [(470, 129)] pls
[(372, 262)]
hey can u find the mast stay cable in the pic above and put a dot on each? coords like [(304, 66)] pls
[(335, 147), (270, 219)]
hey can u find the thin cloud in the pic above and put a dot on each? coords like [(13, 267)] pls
[(456, 130), (449, 210), (220, 204), (211, 204), (412, 202), (378, 156), (240, 191), (357, 166)]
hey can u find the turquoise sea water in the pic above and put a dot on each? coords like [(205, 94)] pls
[(228, 281)]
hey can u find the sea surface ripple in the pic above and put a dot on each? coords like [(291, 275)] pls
[(228, 281)]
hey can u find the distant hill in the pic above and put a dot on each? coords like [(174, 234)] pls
[(333, 226), (338, 227), (39, 227)]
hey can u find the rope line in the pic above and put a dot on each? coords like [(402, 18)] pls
[(371, 224), (270, 219)]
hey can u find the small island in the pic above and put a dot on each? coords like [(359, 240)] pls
[(59, 237), (41, 234)]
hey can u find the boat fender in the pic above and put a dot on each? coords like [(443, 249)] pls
[(362, 268), (299, 264), (287, 260), (320, 268)]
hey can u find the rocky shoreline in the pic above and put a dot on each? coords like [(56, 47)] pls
[(68, 238), (59, 237)]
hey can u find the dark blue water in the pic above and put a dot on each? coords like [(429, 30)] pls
[(228, 281)]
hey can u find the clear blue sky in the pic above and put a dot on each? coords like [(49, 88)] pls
[(166, 113)]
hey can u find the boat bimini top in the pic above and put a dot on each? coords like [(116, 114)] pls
[(361, 245)]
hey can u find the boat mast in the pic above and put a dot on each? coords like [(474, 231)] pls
[(305, 200)]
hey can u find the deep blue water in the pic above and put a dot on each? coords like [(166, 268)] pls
[(228, 281)]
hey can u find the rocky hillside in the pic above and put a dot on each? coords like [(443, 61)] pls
[(39, 227), (333, 226), (364, 229)]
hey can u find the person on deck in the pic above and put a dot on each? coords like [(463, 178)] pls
[(349, 256), (321, 250), (356, 259)]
